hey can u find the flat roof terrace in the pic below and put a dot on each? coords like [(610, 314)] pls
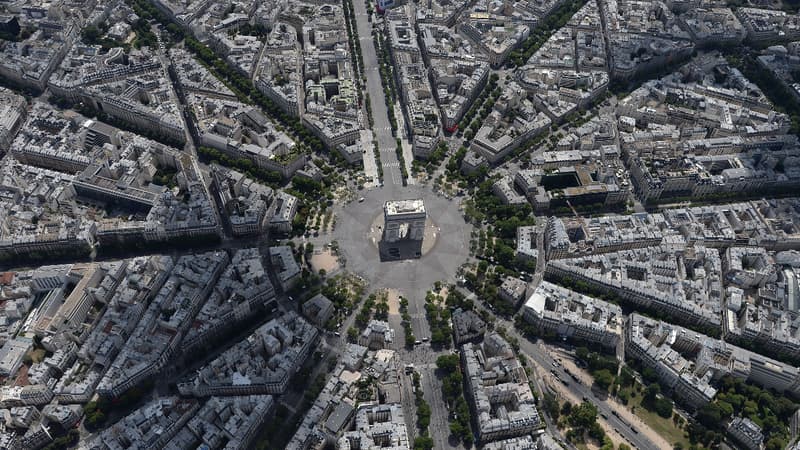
[(394, 208)]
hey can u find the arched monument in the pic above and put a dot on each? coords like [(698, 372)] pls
[(403, 229)]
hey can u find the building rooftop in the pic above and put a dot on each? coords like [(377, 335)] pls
[(377, 426), (402, 207), (262, 363), (498, 390)]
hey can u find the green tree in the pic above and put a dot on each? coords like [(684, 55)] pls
[(596, 431), (725, 408), (649, 374), (91, 34), (775, 443), (663, 408), (583, 415), (624, 396), (423, 415), (626, 377), (651, 391), (709, 415), (603, 379), (352, 334), (447, 363), (423, 443), (551, 405)]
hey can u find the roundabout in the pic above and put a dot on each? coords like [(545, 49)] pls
[(431, 233), (445, 246)]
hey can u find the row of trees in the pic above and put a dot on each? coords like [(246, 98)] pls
[(376, 151), (355, 42), (543, 30), (246, 91), (438, 319), (453, 392), (374, 304), (408, 333), (387, 78), (454, 163), (399, 152), (490, 86), (244, 165), (423, 441), (483, 113)]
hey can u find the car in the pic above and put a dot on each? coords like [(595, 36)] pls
[(585, 398), (417, 342), (604, 416), (361, 200), (337, 334), (635, 431), (424, 339)]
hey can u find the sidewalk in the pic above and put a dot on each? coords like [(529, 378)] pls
[(370, 165), (408, 154)]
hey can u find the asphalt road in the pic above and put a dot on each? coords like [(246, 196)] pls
[(412, 278), (423, 357), (377, 99), (540, 355)]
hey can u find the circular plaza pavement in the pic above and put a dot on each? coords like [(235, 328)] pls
[(445, 247)]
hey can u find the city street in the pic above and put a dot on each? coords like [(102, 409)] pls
[(414, 277), (606, 407), (411, 279), (380, 114)]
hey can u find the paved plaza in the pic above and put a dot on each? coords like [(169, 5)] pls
[(446, 243)]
